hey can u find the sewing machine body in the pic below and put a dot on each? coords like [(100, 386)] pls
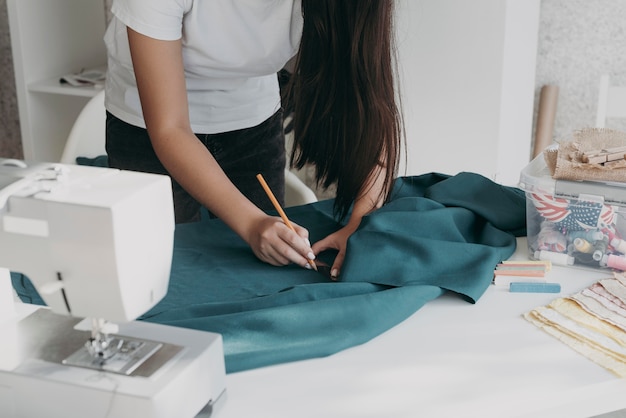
[(97, 244)]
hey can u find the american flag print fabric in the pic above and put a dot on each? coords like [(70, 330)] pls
[(574, 215)]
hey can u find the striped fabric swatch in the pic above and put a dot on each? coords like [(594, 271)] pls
[(592, 322)]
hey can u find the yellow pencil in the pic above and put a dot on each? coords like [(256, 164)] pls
[(280, 210)]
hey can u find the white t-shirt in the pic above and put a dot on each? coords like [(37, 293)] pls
[(232, 50)]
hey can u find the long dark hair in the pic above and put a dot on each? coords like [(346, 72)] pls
[(346, 120)]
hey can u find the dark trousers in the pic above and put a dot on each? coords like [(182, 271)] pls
[(242, 154)]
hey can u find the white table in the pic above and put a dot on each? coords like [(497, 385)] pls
[(449, 359)]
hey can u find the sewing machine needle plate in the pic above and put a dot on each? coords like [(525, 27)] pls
[(131, 354)]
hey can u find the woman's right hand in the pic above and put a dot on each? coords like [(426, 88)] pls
[(273, 242)]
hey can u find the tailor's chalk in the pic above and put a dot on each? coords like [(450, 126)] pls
[(528, 273), (533, 267), (524, 287), (546, 263)]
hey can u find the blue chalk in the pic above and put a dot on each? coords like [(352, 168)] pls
[(525, 287)]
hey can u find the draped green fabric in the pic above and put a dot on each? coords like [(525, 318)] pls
[(438, 233)]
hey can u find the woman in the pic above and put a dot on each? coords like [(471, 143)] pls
[(192, 92)]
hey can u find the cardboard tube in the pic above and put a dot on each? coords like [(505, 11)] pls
[(545, 118)]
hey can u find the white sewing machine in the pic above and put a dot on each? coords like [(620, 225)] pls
[(97, 244)]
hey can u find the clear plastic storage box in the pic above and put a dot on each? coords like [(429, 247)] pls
[(578, 223)]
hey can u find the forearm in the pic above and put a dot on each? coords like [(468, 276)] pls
[(193, 166), (369, 199)]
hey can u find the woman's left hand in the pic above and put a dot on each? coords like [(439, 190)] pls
[(370, 199), (337, 241)]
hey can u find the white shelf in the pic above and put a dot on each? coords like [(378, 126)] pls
[(50, 38), (54, 86)]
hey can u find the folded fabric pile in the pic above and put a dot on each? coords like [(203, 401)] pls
[(592, 322)]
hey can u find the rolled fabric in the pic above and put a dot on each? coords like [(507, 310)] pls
[(544, 133)]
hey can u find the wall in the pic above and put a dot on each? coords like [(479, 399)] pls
[(578, 40), (467, 84), (10, 145)]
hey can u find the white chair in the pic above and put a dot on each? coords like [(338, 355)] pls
[(296, 192), (87, 139), (611, 101), (87, 136)]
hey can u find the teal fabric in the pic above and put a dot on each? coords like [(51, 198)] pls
[(439, 233), (99, 161)]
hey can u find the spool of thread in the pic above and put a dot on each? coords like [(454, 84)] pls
[(614, 261), (583, 246), (546, 114), (551, 240), (619, 245), (600, 249), (585, 258), (562, 259), (590, 236)]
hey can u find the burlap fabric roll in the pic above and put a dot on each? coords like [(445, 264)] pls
[(566, 161)]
